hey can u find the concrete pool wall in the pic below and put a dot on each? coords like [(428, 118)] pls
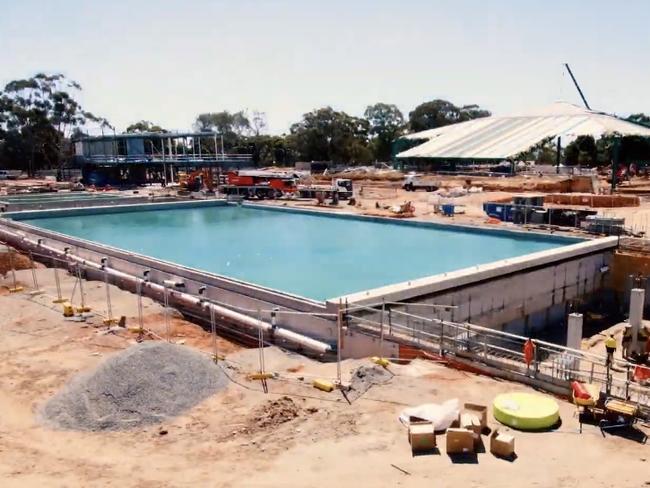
[(51, 202), (503, 292), (521, 294)]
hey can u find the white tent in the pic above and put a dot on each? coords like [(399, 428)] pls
[(503, 137)]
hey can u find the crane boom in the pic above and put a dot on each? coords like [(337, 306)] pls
[(584, 100)]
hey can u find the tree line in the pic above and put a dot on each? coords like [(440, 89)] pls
[(39, 116), (591, 152)]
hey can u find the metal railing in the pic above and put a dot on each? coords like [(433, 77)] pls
[(189, 159), (550, 363)]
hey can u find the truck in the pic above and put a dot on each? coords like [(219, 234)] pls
[(415, 182), (258, 184), (340, 187)]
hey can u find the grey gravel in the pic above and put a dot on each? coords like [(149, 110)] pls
[(364, 377), (142, 385)]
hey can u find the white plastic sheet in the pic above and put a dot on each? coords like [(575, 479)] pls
[(441, 415)]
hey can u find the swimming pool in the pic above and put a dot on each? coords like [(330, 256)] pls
[(314, 255)]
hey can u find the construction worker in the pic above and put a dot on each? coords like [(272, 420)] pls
[(610, 347), (626, 341)]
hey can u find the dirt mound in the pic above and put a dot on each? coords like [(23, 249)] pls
[(273, 413), (142, 385), (19, 261)]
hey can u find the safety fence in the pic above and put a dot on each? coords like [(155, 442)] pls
[(543, 361)]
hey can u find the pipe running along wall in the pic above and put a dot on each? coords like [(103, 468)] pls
[(22, 242)]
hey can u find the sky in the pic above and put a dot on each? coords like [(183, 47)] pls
[(167, 61)]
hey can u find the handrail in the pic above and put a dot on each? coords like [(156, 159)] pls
[(551, 360), (487, 330)]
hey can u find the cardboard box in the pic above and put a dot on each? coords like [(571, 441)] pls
[(502, 445), (460, 441), (480, 411), (471, 422), (422, 436)]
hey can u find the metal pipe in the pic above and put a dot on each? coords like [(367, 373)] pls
[(180, 297)]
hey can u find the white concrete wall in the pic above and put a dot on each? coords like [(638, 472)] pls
[(526, 300)]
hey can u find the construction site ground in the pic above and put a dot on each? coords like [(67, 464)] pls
[(293, 435), (383, 188), (376, 197)]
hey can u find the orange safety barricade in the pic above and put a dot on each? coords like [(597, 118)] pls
[(641, 373)]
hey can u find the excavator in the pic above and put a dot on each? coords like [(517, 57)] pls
[(197, 181)]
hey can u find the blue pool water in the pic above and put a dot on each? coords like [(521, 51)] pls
[(314, 256)]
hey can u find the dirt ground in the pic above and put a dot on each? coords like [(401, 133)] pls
[(377, 197), (370, 196), (384, 189), (294, 435)]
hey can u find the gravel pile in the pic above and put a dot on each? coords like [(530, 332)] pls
[(364, 377), (142, 385)]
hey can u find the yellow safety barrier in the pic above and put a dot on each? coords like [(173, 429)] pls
[(380, 361), (324, 385), (68, 310), (260, 376)]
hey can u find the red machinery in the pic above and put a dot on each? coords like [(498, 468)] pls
[(197, 180), (258, 184)]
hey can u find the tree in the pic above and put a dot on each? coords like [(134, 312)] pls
[(631, 149), (544, 152), (386, 124), (232, 127), (582, 151), (328, 135), (240, 124), (37, 116), (640, 118), (143, 126), (258, 122), (272, 150), (439, 113)]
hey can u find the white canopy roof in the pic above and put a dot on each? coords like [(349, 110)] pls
[(502, 137)]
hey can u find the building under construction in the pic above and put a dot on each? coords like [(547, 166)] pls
[(150, 157)]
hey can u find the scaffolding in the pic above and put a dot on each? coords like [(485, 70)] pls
[(174, 148)]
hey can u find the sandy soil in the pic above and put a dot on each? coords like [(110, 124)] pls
[(245, 437), (469, 208), (385, 194)]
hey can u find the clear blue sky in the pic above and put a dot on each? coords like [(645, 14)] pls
[(167, 61)]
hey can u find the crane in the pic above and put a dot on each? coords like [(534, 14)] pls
[(584, 100)]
